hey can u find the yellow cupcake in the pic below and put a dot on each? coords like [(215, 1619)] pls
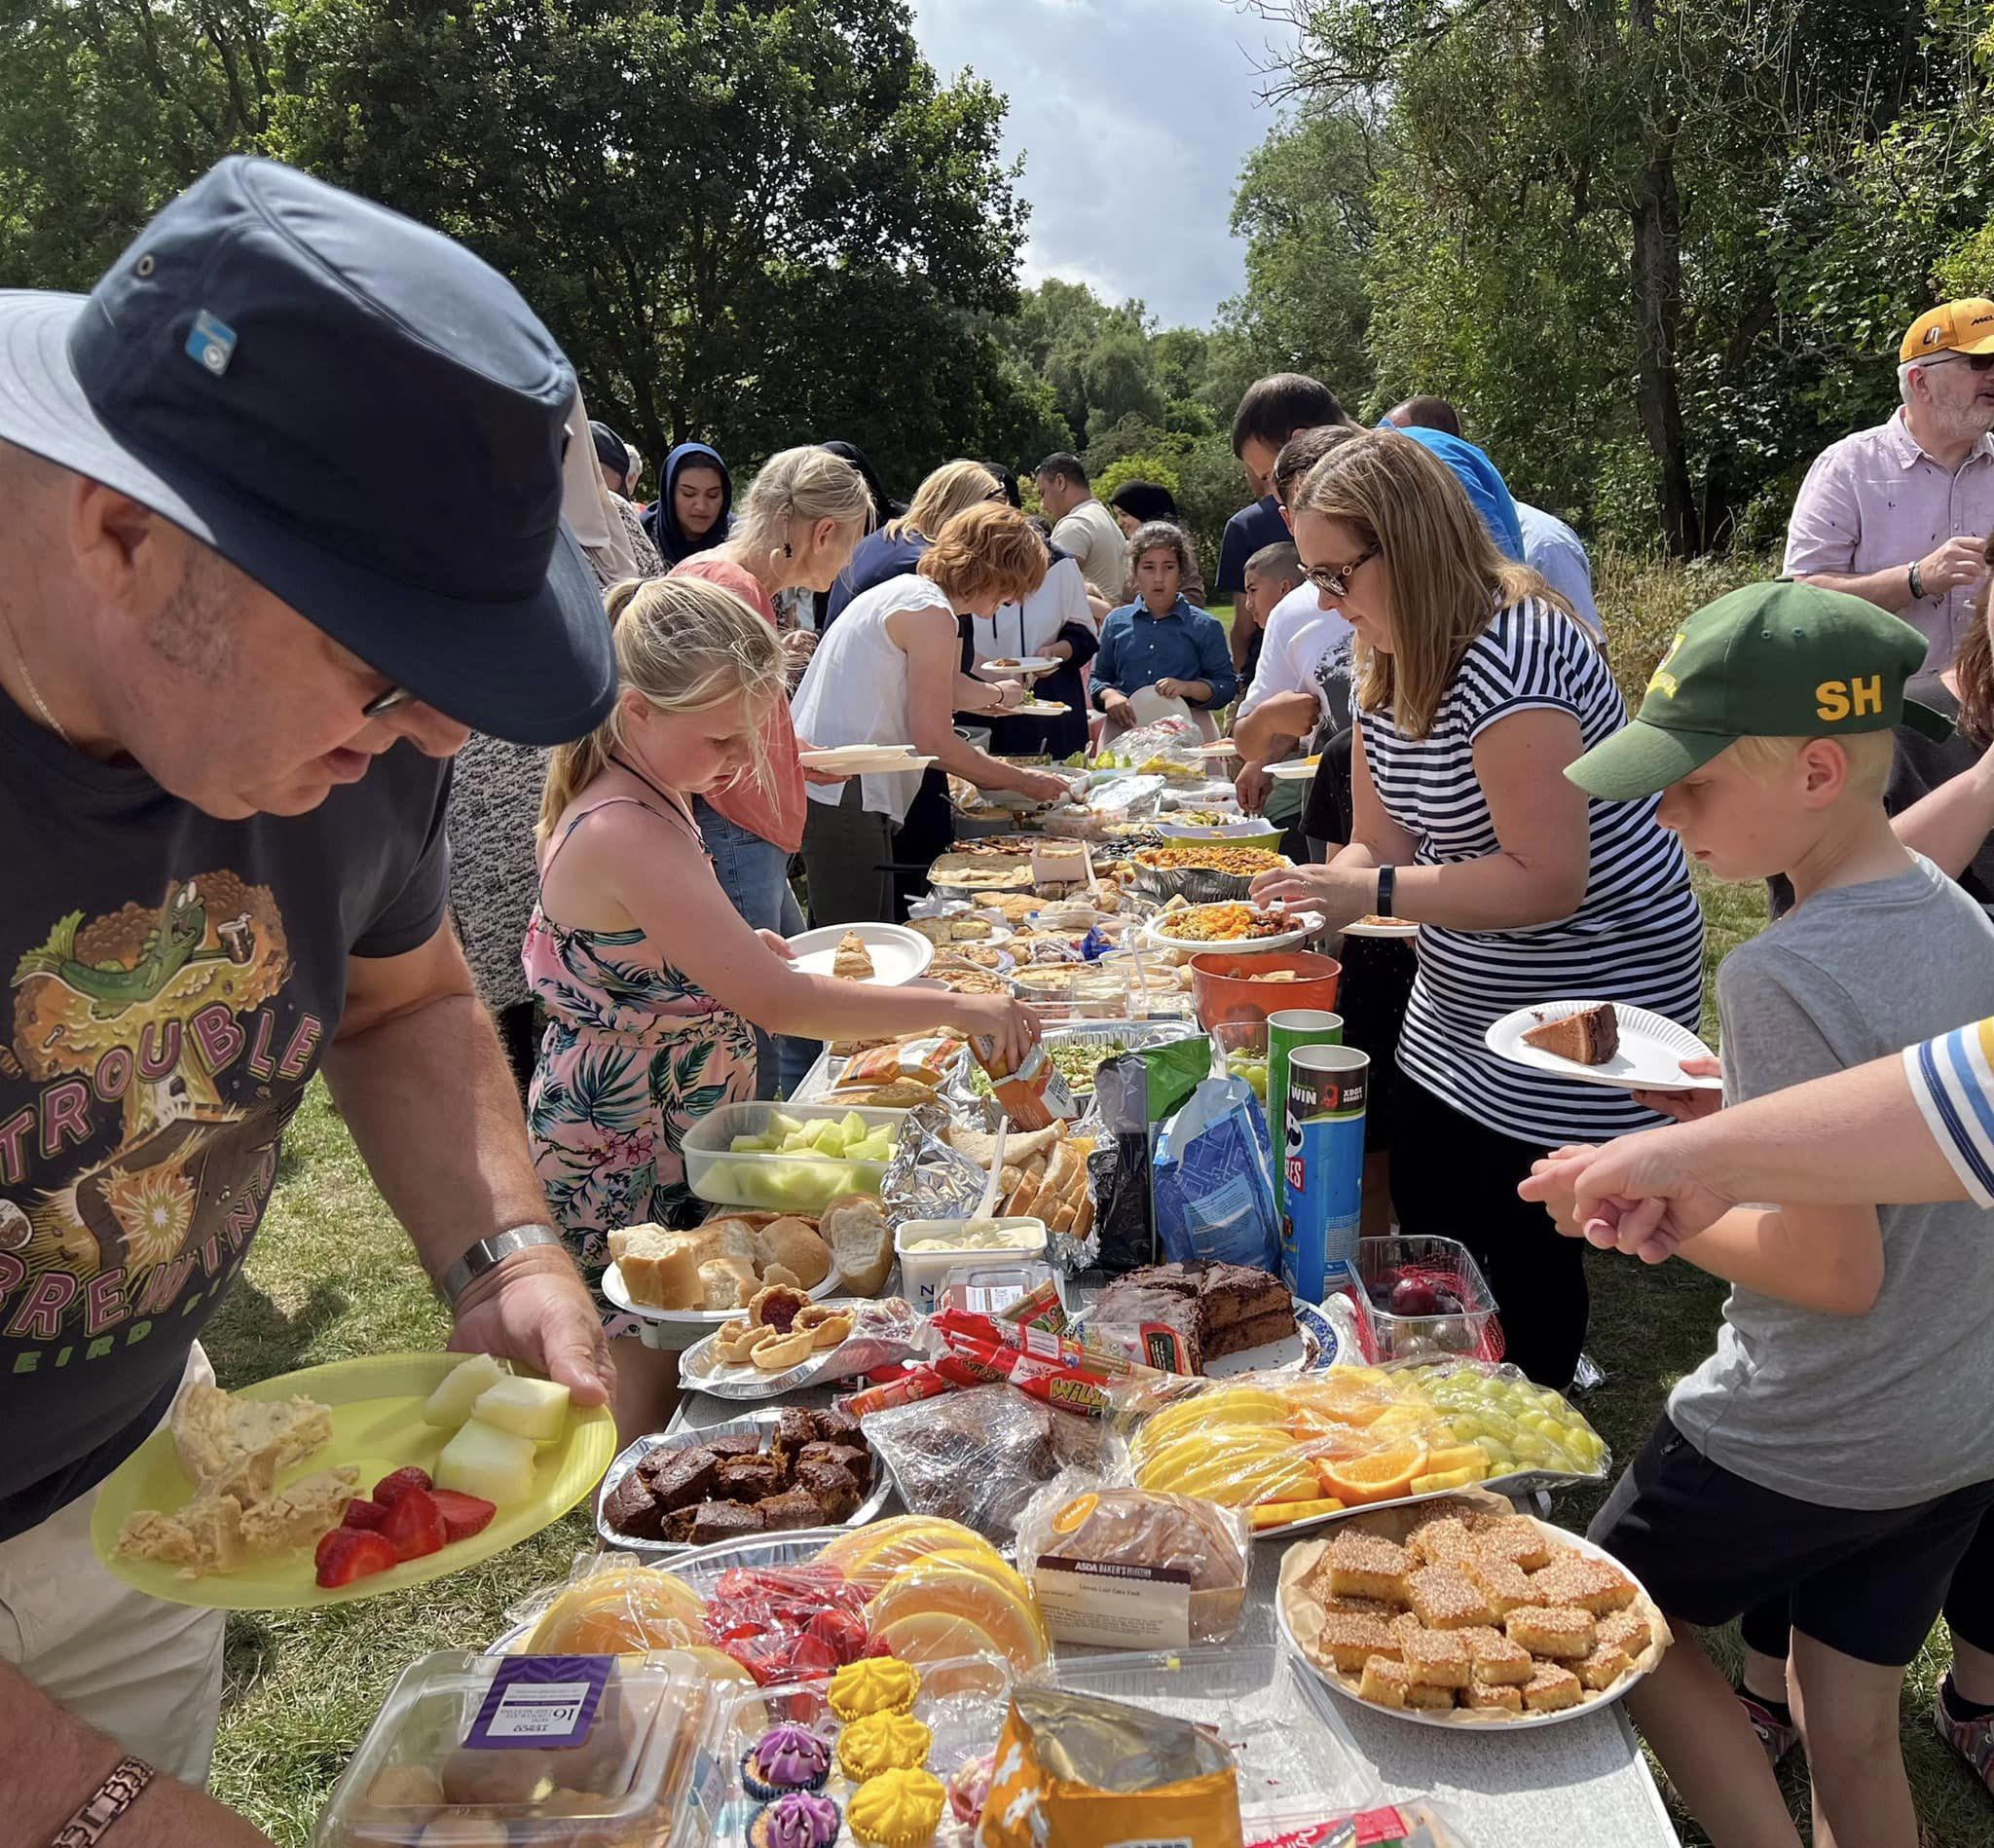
[(882, 1742), (877, 1685), (897, 1809)]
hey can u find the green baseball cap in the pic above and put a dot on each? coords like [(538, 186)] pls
[(1777, 660)]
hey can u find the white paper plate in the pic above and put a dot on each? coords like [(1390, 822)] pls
[(1308, 923), (1225, 748), (898, 953), (857, 759), (1292, 772), (1010, 666), (1040, 709), (1463, 1719), (1651, 1049), (1398, 927), (694, 1318)]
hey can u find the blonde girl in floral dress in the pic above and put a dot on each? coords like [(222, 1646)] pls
[(648, 976)]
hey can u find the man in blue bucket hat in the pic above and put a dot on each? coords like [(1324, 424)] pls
[(282, 525)]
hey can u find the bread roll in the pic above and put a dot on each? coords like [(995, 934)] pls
[(791, 1243), (661, 1269), (860, 1243), (728, 1282), (733, 1238)]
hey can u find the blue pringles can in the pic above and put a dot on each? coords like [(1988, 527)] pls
[(1322, 1162)]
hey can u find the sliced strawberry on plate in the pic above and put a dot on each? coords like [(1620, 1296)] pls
[(875, 1647), (845, 1633), (363, 1513), (391, 1489), (414, 1525), (463, 1515), (348, 1553)]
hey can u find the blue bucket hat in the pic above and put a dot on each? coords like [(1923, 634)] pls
[(354, 410)]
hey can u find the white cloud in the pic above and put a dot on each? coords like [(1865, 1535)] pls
[(1134, 116)]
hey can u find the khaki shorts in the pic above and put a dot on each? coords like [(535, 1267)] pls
[(148, 1673)]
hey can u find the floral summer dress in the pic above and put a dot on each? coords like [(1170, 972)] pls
[(632, 1056)]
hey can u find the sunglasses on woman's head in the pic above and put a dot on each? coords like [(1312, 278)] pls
[(1337, 582)]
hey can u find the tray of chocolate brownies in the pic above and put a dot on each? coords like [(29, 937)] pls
[(777, 1471), (1209, 1318)]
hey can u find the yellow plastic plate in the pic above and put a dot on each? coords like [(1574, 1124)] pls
[(376, 1427)]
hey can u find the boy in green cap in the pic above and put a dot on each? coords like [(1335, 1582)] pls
[(1834, 1457)]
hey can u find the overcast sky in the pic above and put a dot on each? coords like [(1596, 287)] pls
[(1134, 116)]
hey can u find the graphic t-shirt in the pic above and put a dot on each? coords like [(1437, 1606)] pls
[(173, 982)]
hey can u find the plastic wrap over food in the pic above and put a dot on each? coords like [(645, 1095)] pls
[(1121, 1567), (980, 1457), (1299, 1448), (611, 1605), (1044, 1362), (1077, 1771), (1416, 1821)]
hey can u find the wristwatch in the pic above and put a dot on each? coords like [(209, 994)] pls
[(1387, 879), (487, 1253)]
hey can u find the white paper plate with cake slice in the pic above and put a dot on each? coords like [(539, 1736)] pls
[(1647, 1053)]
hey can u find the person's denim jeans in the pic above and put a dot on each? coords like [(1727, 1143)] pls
[(754, 874)]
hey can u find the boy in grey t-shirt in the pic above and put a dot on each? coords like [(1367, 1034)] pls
[(1834, 1455)]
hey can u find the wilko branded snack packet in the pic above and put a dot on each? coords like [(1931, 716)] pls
[(1076, 1771)]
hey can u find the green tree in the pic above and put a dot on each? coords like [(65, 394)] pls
[(750, 223), (107, 110)]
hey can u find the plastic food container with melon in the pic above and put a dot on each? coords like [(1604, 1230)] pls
[(734, 1156)]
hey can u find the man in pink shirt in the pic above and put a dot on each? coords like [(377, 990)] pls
[(1898, 514)]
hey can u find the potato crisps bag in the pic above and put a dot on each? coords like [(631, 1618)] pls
[(1076, 1771)]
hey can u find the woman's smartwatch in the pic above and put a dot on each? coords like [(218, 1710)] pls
[(1387, 880)]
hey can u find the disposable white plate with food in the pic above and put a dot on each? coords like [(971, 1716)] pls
[(1166, 929), (1006, 666), (1371, 924), (1295, 770), (1040, 708), (1437, 1653), (857, 759), (896, 953), (1602, 1043)]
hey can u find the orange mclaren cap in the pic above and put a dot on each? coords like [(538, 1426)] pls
[(1965, 326)]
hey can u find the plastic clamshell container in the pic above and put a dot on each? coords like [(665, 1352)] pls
[(1445, 1263), (799, 1183), (924, 1273), (641, 1772), (989, 1289), (963, 1701)]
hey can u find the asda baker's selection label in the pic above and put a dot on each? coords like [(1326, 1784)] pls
[(1115, 1607)]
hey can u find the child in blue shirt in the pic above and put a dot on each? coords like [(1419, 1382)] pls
[(1163, 642)]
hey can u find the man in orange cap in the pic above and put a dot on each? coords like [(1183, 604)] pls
[(1899, 514)]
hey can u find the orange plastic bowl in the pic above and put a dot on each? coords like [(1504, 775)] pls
[(1222, 993)]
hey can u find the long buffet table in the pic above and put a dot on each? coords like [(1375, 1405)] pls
[(1579, 1784)]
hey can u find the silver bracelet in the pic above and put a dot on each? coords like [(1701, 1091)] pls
[(106, 1803), (489, 1253)]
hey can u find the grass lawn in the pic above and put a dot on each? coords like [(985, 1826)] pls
[(330, 1277)]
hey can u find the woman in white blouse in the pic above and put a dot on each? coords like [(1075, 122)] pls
[(890, 672)]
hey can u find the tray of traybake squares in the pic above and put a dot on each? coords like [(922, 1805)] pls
[(1462, 1612)]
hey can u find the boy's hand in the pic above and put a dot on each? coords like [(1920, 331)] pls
[(1686, 1106), (1643, 1193)]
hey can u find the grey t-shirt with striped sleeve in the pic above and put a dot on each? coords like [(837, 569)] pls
[(1637, 938)]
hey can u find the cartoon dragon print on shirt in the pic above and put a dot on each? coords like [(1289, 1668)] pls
[(133, 1024)]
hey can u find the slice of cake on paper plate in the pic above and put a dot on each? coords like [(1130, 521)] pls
[(852, 961), (1589, 1037)]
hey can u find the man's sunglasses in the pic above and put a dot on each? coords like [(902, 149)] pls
[(1336, 583), (1979, 361)]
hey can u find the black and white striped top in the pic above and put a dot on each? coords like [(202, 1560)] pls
[(1637, 938)]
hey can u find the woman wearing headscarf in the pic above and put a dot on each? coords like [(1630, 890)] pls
[(695, 503), (1136, 504)]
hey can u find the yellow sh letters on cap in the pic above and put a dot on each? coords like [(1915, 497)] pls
[(1849, 699), (1661, 681)]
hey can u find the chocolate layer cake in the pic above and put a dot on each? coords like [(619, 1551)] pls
[(1215, 1310), (1589, 1037)]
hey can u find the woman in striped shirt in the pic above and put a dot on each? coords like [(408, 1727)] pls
[(1475, 687)]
